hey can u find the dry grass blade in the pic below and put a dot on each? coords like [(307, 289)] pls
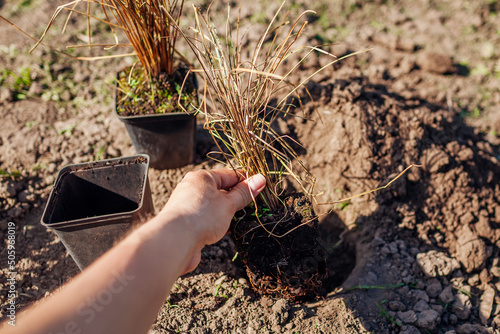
[(150, 27), (242, 91)]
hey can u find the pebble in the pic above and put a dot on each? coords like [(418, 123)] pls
[(428, 320), (434, 288), (421, 306), (5, 95), (446, 296), (462, 306), (409, 330), (486, 304), (397, 305), (406, 65), (434, 263), (408, 317), (438, 308), (420, 294), (472, 254), (473, 280), (472, 328), (113, 152), (280, 306), (8, 189), (52, 167), (435, 62), (26, 196), (471, 250)]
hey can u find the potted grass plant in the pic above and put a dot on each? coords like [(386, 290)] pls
[(156, 97), (277, 235)]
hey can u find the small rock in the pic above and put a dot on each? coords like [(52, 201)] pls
[(421, 306), (52, 167), (36, 89), (438, 308), (408, 317), (462, 306), (420, 295), (471, 250), (450, 332), (485, 275), (280, 312), (467, 218), (435, 62), (453, 319), (5, 95), (8, 189), (434, 288), (66, 96), (242, 281), (397, 305), (26, 196), (406, 65), (486, 304), (473, 280), (409, 330), (434, 263), (113, 152), (472, 328), (446, 296), (404, 44), (428, 320), (495, 269), (280, 306), (49, 180)]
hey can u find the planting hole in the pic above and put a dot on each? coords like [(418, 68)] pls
[(341, 252)]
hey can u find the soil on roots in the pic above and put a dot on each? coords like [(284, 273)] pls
[(281, 249)]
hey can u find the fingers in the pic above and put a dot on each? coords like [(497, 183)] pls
[(243, 193), (223, 178)]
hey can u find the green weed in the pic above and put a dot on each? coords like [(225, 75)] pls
[(384, 313), (13, 174)]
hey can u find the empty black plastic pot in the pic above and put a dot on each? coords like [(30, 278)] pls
[(93, 205), (169, 139)]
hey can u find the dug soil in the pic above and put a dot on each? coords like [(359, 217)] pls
[(421, 256)]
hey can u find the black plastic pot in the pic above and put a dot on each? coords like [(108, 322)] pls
[(169, 139), (93, 205)]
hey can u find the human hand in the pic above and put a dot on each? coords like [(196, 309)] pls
[(207, 200)]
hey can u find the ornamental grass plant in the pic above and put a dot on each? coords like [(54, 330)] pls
[(244, 96), (151, 30)]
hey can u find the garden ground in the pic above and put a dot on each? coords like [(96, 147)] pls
[(418, 257)]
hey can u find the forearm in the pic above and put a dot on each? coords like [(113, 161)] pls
[(123, 291)]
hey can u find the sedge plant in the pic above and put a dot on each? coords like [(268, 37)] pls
[(242, 93), (150, 26)]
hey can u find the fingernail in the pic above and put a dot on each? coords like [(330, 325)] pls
[(257, 183)]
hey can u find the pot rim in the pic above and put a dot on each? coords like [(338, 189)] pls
[(109, 218)]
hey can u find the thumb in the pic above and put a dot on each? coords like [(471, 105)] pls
[(243, 193)]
